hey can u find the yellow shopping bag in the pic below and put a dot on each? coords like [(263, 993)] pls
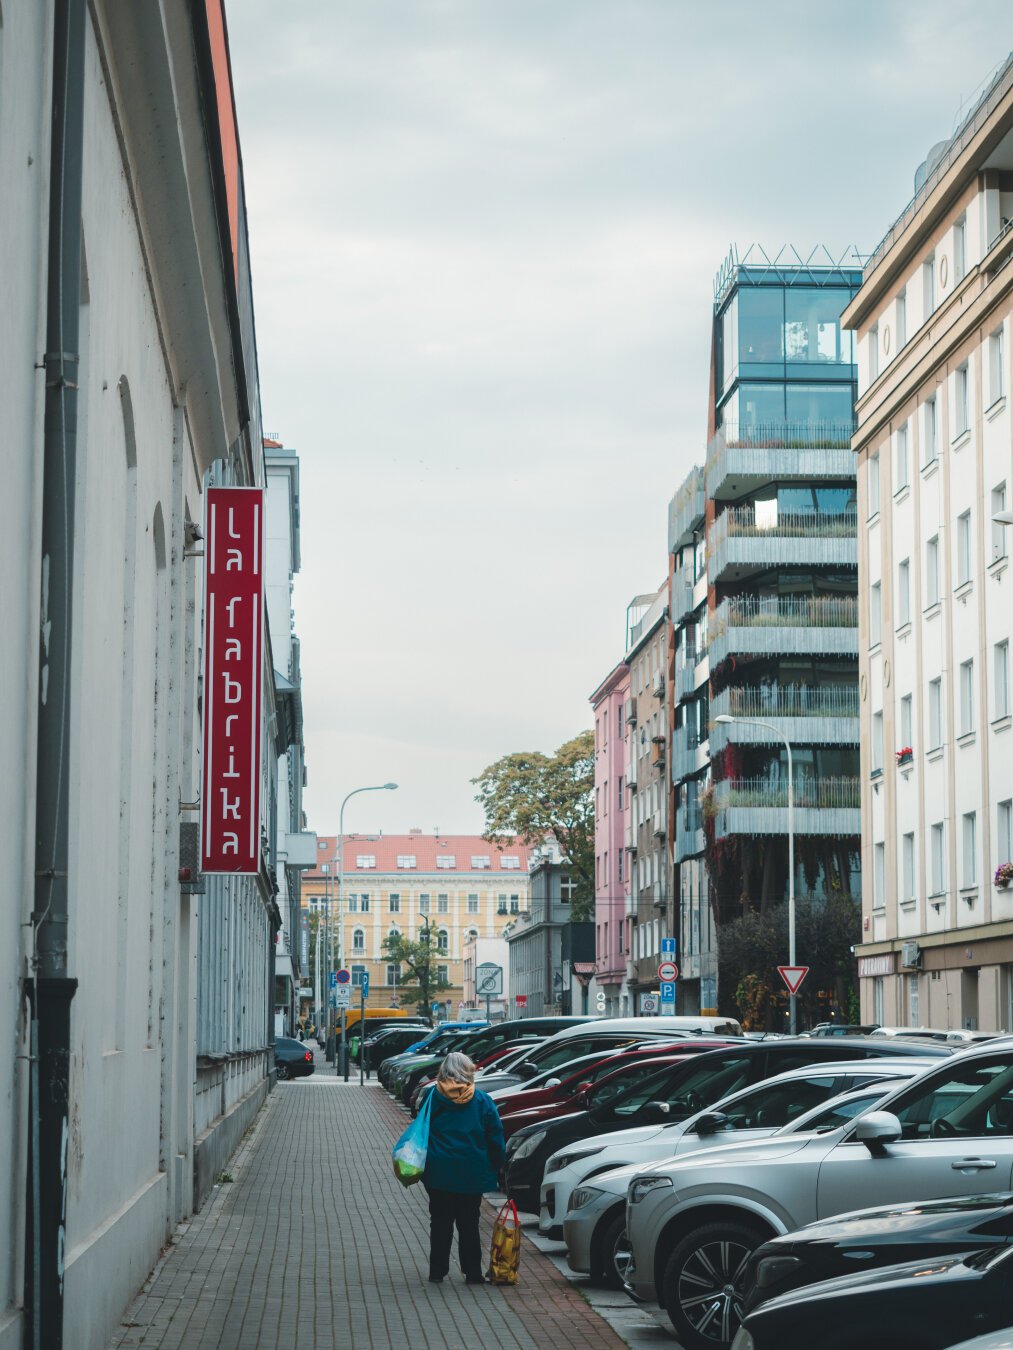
[(506, 1246)]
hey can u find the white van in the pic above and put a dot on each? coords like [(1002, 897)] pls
[(654, 1026)]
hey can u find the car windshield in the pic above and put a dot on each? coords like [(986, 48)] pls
[(974, 1098), (838, 1112), (689, 1090), (774, 1104)]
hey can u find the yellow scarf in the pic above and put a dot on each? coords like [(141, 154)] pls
[(459, 1093)]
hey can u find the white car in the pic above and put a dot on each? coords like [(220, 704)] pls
[(752, 1112), (595, 1223), (692, 1223)]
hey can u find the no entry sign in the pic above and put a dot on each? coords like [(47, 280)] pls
[(668, 971), (233, 664)]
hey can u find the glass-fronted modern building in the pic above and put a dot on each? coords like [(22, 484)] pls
[(763, 559)]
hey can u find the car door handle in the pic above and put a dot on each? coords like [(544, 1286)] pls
[(973, 1165)]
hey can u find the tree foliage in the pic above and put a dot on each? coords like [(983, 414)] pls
[(751, 948), (422, 961), (530, 796)]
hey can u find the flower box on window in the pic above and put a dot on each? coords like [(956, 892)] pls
[(1004, 875), (905, 755)]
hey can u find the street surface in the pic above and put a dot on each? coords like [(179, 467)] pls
[(314, 1245)]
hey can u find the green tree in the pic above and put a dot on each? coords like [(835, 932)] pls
[(530, 796), (422, 962)]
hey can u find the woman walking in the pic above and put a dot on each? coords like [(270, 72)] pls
[(465, 1154)]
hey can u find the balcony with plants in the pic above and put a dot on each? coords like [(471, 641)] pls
[(743, 457), (769, 625), (825, 714), (749, 795), (760, 535)]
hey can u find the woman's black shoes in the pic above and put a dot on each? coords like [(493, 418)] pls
[(436, 1279), (474, 1279)]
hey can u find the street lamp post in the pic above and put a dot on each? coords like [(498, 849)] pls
[(769, 726), (342, 1062)]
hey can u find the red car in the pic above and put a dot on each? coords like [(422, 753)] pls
[(609, 1077)]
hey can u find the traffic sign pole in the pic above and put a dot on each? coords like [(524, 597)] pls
[(362, 1025)]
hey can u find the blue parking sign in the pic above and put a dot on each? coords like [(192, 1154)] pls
[(365, 984), (668, 991)]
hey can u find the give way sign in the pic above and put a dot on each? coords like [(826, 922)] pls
[(793, 976)]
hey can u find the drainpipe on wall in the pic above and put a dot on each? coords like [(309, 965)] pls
[(50, 989)]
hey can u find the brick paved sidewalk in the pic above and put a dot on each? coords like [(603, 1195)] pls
[(315, 1246)]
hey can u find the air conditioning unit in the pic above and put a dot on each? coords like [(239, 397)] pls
[(631, 712), (910, 955), (658, 687)]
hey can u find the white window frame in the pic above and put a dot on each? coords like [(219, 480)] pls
[(904, 592), (365, 861), (1004, 831), (937, 846), (959, 249), (932, 592), (872, 465), (964, 547), (1000, 666), (908, 882), (930, 432), (902, 458), (406, 861), (961, 401), (446, 862), (969, 833), (996, 365), (929, 286), (877, 742), (935, 713), (900, 322), (906, 721), (998, 529), (479, 862), (967, 697), (875, 614)]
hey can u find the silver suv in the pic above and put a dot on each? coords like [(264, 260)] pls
[(692, 1224)]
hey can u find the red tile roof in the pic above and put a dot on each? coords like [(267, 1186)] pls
[(425, 848)]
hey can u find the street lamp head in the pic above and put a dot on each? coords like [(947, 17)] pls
[(390, 787), (724, 717)]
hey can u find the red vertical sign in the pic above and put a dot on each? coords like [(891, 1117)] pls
[(233, 665)]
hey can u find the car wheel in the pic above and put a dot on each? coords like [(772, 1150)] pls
[(615, 1253), (282, 1071), (702, 1291)]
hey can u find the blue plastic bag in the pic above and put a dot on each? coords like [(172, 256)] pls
[(411, 1149)]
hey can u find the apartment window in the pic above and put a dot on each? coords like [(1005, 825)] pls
[(937, 847), (930, 432), (443, 974), (1001, 663), (873, 352), (996, 366), (357, 973), (423, 904), (901, 319), (501, 904), (406, 860), (509, 863), (472, 904), (515, 904), (620, 795), (907, 853), (446, 861), (879, 875), (878, 1001), (998, 529), (904, 592), (877, 742), (970, 866), (902, 474), (932, 571), (1004, 830), (961, 410), (619, 863), (874, 485), (913, 1003), (906, 724), (929, 285), (935, 712), (442, 941), (393, 903), (966, 697), (479, 862), (963, 548), (353, 904), (567, 888), (358, 940), (393, 974), (443, 904), (365, 860), (875, 614), (959, 250)]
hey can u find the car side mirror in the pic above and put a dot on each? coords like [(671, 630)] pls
[(655, 1113), (527, 1069), (711, 1123), (876, 1129), (553, 1082)]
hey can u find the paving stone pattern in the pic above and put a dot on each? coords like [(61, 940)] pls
[(316, 1246)]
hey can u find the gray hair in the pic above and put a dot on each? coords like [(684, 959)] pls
[(457, 1068)]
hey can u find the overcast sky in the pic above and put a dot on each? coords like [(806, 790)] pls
[(484, 236)]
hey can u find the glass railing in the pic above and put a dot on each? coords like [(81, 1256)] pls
[(788, 700), (785, 611), (760, 523), (810, 434), (809, 793)]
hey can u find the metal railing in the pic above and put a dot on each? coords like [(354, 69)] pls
[(785, 611), (788, 700), (743, 521), (811, 434), (809, 793), (997, 90)]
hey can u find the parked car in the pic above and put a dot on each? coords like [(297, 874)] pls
[(921, 1305), (886, 1235), (380, 1045), (843, 1029), (292, 1059), (595, 1230), (430, 1044), (674, 1094), (693, 1223), (992, 1340), (914, 1033), (512, 1052)]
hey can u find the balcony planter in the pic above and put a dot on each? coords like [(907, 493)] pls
[(905, 756), (1004, 876)]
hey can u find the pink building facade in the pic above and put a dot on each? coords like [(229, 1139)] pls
[(611, 820)]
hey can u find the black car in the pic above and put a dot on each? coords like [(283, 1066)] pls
[(292, 1059), (930, 1304), (392, 1040), (868, 1238), (677, 1093)]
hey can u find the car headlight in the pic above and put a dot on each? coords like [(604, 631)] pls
[(560, 1160), (743, 1340), (528, 1144), (772, 1270), (583, 1195), (641, 1186)]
